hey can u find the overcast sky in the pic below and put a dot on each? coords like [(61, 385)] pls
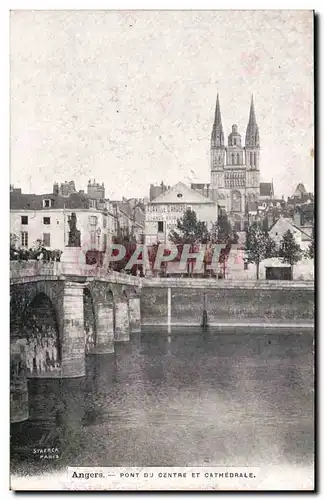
[(128, 98)]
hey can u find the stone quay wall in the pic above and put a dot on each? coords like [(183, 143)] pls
[(181, 302)]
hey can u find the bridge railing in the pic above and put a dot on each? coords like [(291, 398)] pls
[(20, 270), (32, 268)]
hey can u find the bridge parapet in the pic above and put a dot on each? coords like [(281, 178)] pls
[(22, 270)]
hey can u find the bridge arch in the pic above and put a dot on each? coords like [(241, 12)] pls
[(43, 348)]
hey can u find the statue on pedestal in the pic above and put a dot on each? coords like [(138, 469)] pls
[(74, 234)]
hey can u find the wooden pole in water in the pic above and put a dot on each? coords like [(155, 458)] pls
[(204, 323)]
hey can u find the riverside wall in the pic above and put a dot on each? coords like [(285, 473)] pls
[(181, 302)]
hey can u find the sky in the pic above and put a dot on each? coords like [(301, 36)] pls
[(128, 97)]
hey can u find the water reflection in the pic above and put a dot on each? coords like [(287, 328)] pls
[(186, 399)]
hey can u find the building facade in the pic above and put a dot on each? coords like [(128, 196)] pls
[(235, 168), (45, 218), (163, 212), (282, 225)]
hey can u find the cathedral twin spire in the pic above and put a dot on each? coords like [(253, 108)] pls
[(252, 139)]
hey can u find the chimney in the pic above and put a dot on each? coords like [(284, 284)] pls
[(55, 188)]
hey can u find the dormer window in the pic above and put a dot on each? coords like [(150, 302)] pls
[(47, 203)]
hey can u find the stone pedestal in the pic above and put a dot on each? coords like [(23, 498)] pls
[(104, 329), (122, 327), (73, 340), (18, 382), (135, 314), (73, 255)]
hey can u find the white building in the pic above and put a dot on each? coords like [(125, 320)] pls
[(162, 213), (45, 217), (282, 225)]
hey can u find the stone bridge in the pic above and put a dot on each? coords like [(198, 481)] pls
[(59, 312)]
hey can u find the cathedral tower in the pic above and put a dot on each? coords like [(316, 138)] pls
[(235, 150), (217, 140), (234, 168), (252, 141)]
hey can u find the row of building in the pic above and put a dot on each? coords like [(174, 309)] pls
[(234, 188), (100, 221)]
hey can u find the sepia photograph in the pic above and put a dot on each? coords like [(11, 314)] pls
[(162, 247)]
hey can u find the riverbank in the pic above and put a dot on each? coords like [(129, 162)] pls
[(182, 302)]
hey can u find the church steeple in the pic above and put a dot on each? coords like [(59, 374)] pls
[(217, 138), (252, 138)]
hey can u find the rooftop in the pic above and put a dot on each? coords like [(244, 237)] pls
[(20, 201)]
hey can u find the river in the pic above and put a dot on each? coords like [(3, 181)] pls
[(187, 398)]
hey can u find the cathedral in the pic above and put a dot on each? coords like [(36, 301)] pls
[(234, 176), (235, 171)]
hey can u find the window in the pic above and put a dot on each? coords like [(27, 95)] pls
[(92, 203), (104, 223), (24, 238), (93, 220), (236, 201), (24, 220), (46, 220), (47, 203), (160, 226), (234, 141), (246, 265), (104, 242), (46, 239), (93, 237), (179, 195)]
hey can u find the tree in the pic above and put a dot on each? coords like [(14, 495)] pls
[(311, 251), (259, 246), (14, 250), (289, 250), (271, 249), (222, 231), (190, 230)]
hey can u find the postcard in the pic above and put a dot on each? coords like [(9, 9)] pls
[(162, 250)]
